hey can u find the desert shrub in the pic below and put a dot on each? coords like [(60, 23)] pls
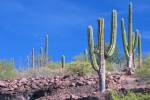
[(7, 70), (144, 71), (109, 66), (80, 67), (129, 96), (54, 65), (80, 58)]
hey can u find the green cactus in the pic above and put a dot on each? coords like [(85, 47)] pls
[(62, 61), (33, 58), (13, 62), (98, 55), (130, 47), (46, 49), (86, 55), (28, 62), (139, 50), (41, 57)]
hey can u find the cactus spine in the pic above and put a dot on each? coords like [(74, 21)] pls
[(98, 55), (139, 51), (130, 47), (33, 59), (62, 61), (46, 49)]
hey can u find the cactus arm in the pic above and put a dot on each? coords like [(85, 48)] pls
[(135, 41), (112, 45), (86, 55), (100, 36), (125, 45), (133, 38), (130, 44), (140, 50), (91, 49)]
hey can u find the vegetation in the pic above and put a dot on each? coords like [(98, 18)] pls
[(98, 55), (99, 58), (46, 50), (129, 96), (80, 58), (33, 58), (63, 61), (144, 71), (83, 68), (7, 70), (130, 47)]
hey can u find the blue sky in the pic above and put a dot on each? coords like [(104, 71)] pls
[(24, 23)]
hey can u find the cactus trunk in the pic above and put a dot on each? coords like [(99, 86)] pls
[(101, 56)]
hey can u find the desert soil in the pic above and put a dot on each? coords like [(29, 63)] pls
[(68, 87)]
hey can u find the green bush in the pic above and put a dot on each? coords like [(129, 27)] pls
[(54, 65), (129, 96), (80, 67), (144, 71), (80, 58), (109, 66), (7, 70)]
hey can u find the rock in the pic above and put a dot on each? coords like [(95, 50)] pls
[(73, 97), (72, 84), (33, 86), (2, 84), (79, 83)]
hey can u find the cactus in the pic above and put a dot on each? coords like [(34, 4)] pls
[(33, 58), (41, 58), (62, 61), (46, 49), (13, 62), (86, 55), (28, 62), (130, 47), (139, 50), (98, 55)]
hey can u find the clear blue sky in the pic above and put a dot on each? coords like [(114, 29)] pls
[(24, 23)]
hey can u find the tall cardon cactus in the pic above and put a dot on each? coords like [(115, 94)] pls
[(41, 57), (98, 55), (46, 49), (33, 58), (28, 62), (62, 61), (130, 47)]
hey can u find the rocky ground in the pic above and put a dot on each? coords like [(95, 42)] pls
[(68, 87)]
